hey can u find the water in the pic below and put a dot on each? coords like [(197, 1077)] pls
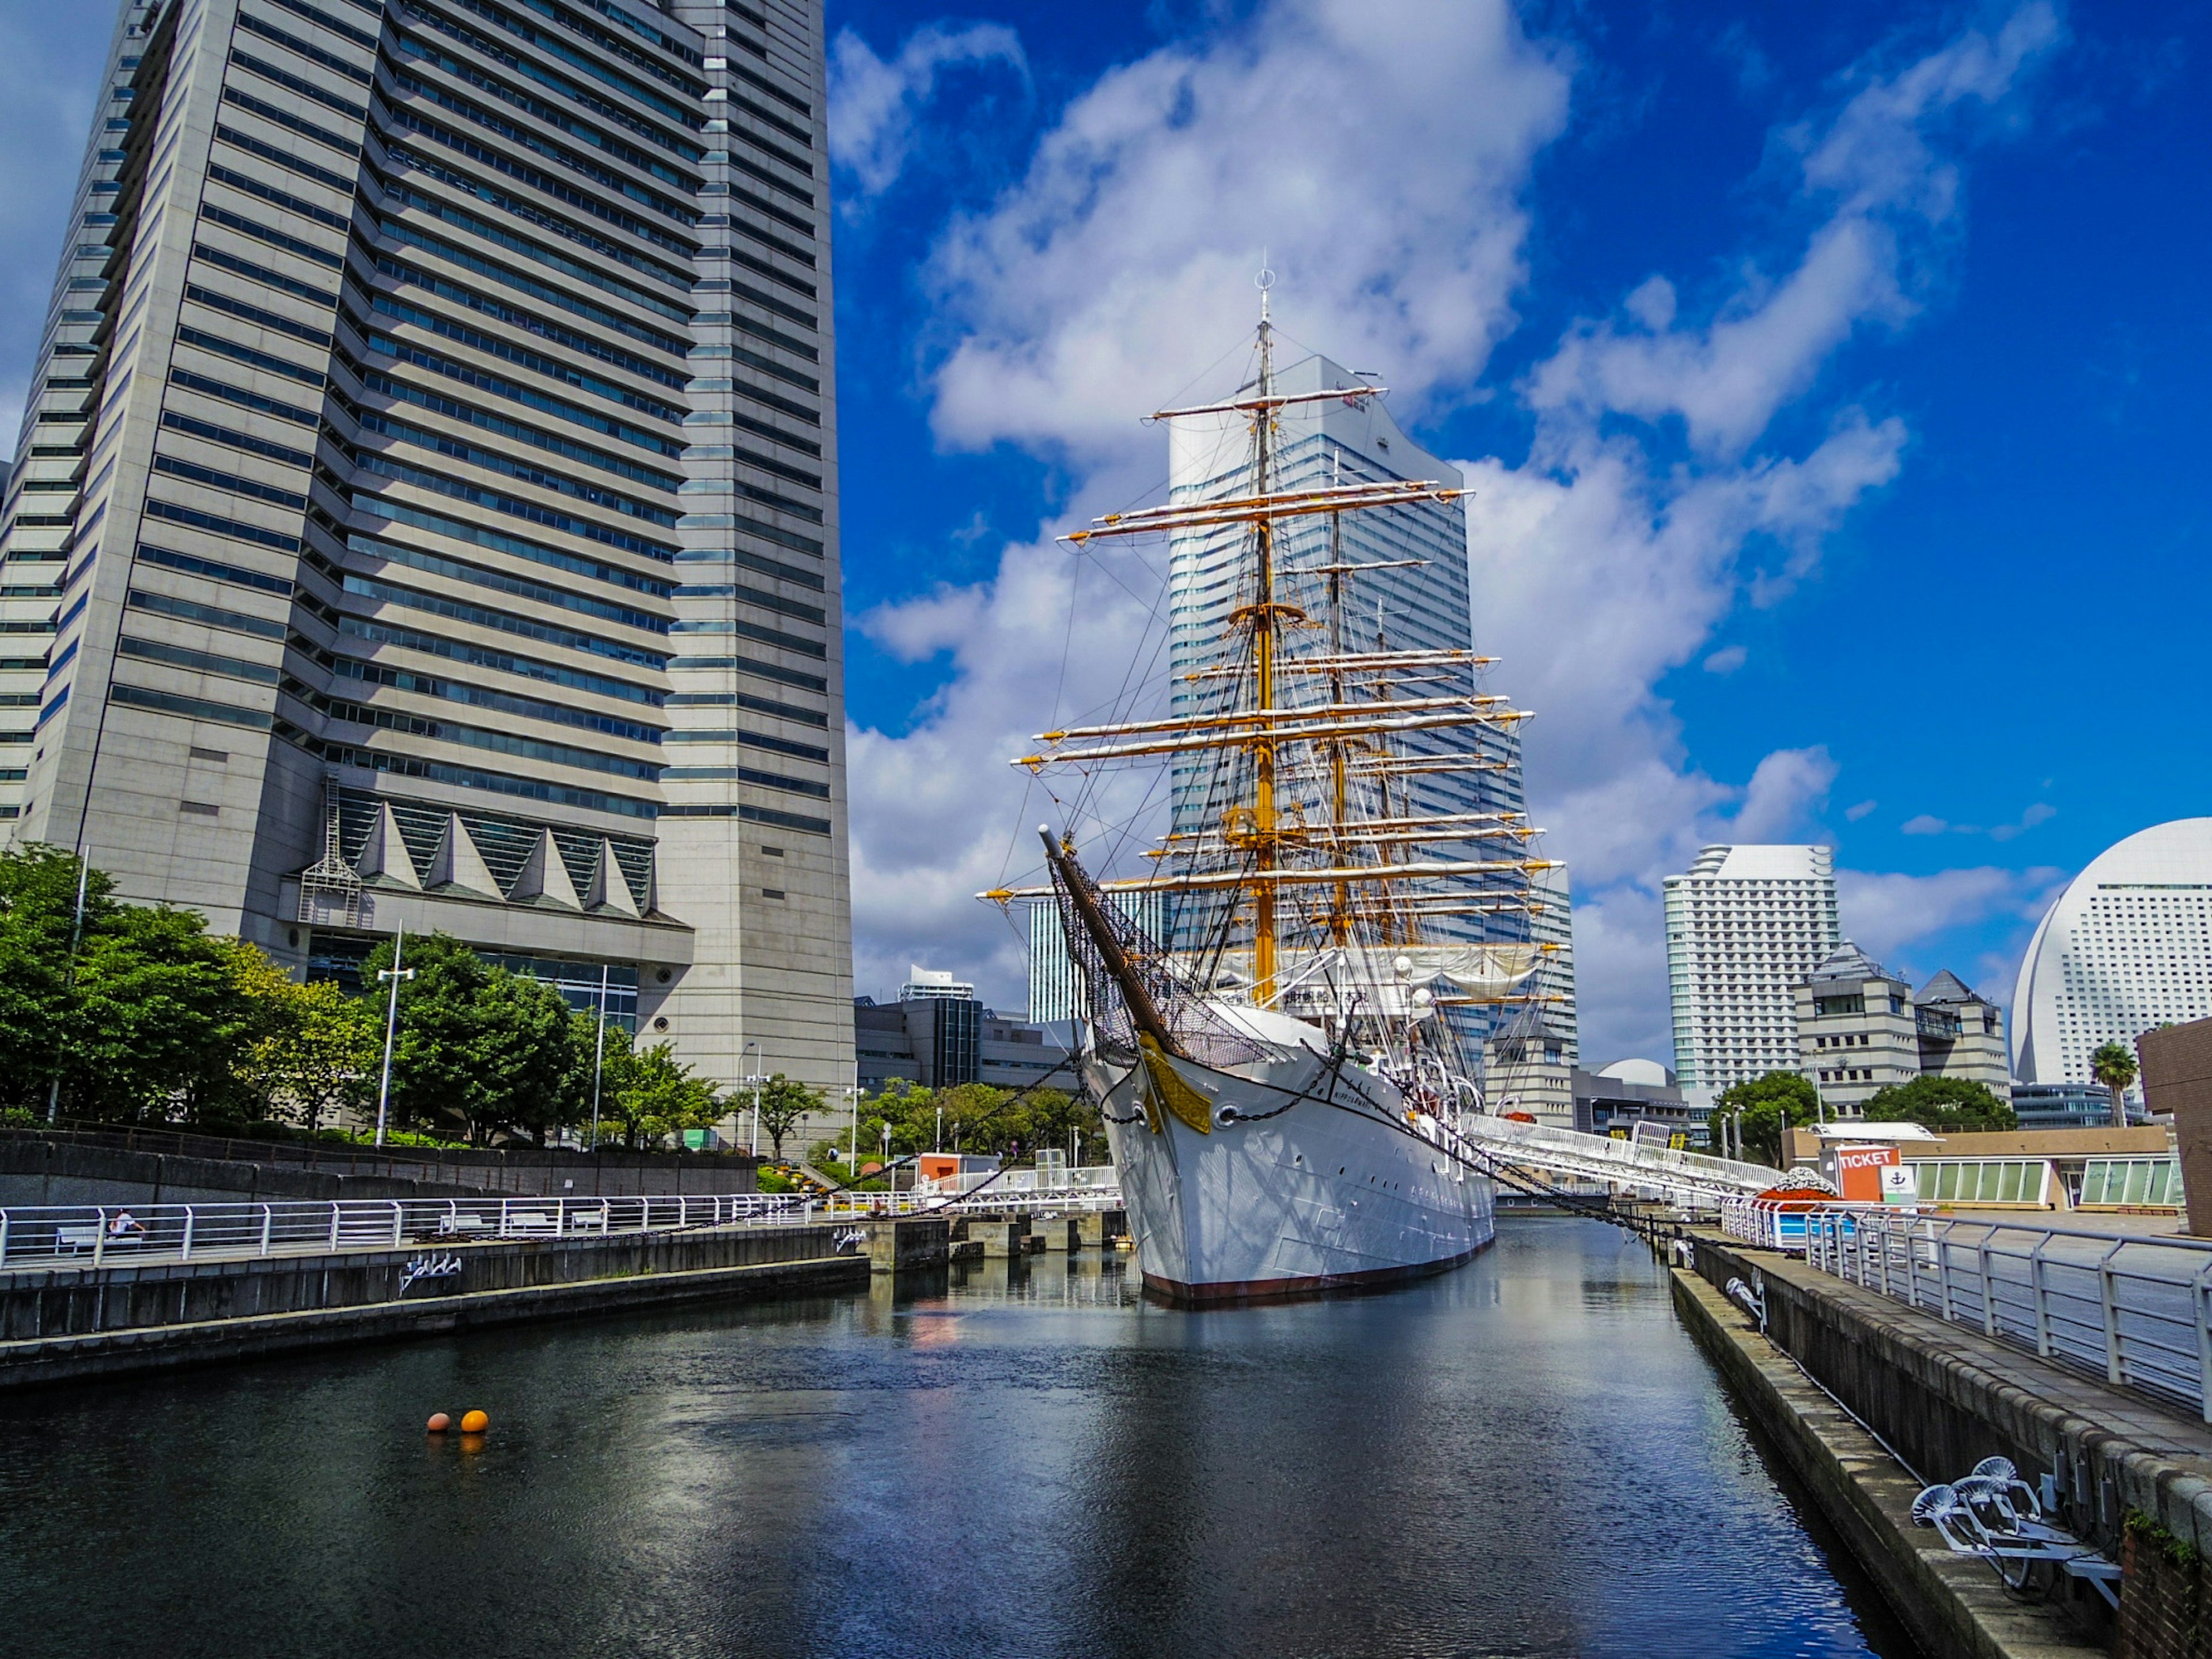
[(1524, 1457)]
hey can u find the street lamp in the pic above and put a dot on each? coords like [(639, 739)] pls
[(395, 974), (852, 1157), (599, 1057), (756, 1080)]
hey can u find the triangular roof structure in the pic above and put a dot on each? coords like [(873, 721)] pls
[(1946, 987), (1847, 961)]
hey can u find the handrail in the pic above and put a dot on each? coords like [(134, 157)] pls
[(2132, 1310), (110, 1235)]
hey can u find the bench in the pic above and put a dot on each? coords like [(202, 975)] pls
[(588, 1221), (73, 1240), (531, 1224), (465, 1222)]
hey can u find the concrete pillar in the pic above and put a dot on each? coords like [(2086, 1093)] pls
[(2177, 1078)]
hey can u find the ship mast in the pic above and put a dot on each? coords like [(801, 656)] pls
[(1356, 865), (1264, 623)]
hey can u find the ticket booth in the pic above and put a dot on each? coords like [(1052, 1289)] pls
[(1867, 1172)]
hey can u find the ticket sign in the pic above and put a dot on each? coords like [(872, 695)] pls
[(1901, 1184), (1859, 1171)]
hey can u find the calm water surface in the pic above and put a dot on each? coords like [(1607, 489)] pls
[(1525, 1457)]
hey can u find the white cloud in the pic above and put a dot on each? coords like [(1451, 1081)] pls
[(1875, 167), (1378, 158), (876, 103), (1889, 914), (1727, 660), (2041, 812), (1855, 813), (1925, 825), (1121, 265)]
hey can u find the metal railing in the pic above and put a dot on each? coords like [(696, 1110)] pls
[(1093, 1188), (2135, 1311), (1697, 1179), (112, 1234)]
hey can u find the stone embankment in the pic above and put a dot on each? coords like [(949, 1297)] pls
[(67, 1324), (1840, 1366)]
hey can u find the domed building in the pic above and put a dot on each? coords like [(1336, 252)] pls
[(2127, 948)]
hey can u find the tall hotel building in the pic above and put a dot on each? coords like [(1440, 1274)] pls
[(1416, 599), (2126, 948), (426, 511), (1745, 927)]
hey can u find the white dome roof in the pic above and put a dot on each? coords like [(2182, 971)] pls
[(1637, 1071)]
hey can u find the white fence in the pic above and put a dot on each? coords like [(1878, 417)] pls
[(1695, 1180), (87, 1235), (1055, 1189), (2136, 1311)]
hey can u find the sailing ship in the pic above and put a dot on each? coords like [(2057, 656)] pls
[(1278, 1061)]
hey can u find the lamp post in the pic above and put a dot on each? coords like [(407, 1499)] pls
[(599, 1057), (395, 974), (756, 1080)]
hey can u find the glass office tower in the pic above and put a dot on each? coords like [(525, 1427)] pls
[(425, 514), (1414, 596)]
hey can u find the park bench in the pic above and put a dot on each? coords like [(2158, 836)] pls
[(531, 1224)]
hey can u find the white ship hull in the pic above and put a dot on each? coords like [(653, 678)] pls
[(1302, 1182)]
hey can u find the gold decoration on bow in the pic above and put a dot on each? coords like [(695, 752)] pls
[(1169, 1089)]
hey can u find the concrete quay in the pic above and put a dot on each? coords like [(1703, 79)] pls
[(2134, 1478), (68, 1324)]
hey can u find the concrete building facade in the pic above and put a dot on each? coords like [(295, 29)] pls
[(425, 513), (1745, 926), (2126, 949), (1861, 1028)]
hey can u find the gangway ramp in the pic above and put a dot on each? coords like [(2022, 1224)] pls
[(1693, 1179)]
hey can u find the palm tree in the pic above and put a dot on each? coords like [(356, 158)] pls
[(2114, 1066)]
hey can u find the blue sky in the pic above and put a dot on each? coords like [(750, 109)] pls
[(1827, 386)]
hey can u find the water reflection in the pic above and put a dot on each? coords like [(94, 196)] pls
[(1524, 1457)]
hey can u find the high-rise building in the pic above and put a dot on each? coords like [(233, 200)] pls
[(1746, 926), (425, 514), (1055, 988), (1409, 591), (2126, 948)]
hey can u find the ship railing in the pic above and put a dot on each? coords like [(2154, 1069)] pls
[(115, 1235), (2133, 1311)]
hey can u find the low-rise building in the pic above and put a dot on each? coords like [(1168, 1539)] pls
[(1856, 1031), (2067, 1106), (1527, 1068), (1617, 1098), (2089, 1168), (1861, 1028), (940, 1042)]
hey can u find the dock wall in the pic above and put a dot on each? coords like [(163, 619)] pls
[(1945, 1396), (69, 1323)]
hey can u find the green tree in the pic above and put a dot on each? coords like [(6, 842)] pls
[(2113, 1064), (1945, 1105), (647, 1095), (1769, 1105), (477, 1048), (159, 1015), (38, 900), (784, 1105)]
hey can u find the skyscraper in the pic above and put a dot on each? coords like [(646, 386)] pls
[(1746, 926), (2126, 948), (425, 514), (1409, 591)]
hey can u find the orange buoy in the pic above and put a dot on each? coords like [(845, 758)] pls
[(439, 1423), (474, 1423)]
